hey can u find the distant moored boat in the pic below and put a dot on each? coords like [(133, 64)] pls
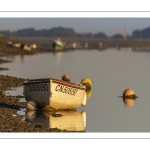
[(57, 44)]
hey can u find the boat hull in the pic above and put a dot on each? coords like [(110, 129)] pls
[(55, 93), (57, 46)]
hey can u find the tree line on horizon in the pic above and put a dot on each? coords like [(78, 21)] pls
[(68, 32)]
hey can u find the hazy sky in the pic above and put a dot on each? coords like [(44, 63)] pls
[(110, 17), (109, 26)]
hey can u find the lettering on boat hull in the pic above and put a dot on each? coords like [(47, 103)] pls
[(38, 87), (66, 90)]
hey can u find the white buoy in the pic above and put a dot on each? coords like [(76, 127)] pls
[(31, 106)]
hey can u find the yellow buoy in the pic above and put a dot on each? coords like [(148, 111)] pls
[(86, 81)]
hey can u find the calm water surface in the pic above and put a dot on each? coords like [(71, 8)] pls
[(111, 72)]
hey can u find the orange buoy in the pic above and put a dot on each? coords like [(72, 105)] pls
[(128, 92), (129, 97), (66, 77)]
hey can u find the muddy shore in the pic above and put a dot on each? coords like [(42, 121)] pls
[(10, 120)]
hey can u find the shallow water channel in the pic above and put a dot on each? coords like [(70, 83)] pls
[(111, 72)]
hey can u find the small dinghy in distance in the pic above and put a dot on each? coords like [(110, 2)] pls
[(56, 94)]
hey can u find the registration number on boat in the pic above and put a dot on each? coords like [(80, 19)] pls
[(66, 90), (38, 87)]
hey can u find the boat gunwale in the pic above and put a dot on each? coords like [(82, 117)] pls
[(47, 80)]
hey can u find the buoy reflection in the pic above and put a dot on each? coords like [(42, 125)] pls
[(72, 121), (128, 102)]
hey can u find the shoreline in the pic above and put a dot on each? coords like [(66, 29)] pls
[(10, 120)]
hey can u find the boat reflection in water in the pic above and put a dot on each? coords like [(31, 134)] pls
[(72, 121)]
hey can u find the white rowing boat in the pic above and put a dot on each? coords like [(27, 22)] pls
[(55, 93)]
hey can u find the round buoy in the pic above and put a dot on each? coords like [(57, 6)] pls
[(65, 77), (31, 106), (86, 82), (129, 93)]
